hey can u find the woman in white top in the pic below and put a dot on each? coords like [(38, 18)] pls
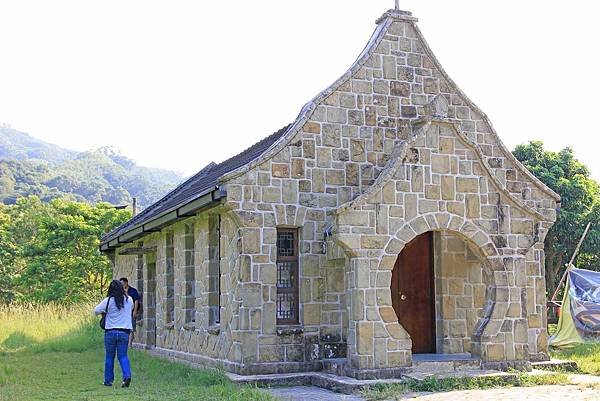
[(118, 307)]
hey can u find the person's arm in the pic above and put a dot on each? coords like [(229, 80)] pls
[(135, 307), (101, 307)]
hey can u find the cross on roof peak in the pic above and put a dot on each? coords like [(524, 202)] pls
[(397, 4)]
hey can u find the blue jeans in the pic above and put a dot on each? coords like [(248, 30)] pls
[(116, 342)]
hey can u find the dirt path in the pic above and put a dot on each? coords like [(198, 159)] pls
[(539, 393)]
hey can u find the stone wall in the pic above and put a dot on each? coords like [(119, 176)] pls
[(191, 338), (460, 293)]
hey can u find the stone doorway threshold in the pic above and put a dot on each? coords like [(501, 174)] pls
[(447, 365)]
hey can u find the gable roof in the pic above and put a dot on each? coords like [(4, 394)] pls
[(205, 182)]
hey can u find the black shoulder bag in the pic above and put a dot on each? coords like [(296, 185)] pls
[(103, 318)]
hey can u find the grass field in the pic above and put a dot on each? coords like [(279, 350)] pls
[(56, 353)]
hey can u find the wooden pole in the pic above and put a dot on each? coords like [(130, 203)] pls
[(570, 265)]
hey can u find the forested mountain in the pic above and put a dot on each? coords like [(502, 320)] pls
[(29, 166)]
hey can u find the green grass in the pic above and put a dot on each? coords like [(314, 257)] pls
[(587, 357), (56, 353)]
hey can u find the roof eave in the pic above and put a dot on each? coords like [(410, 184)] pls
[(202, 201)]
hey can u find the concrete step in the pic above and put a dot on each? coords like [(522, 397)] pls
[(444, 363)]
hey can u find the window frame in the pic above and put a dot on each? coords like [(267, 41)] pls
[(295, 289), (214, 222)]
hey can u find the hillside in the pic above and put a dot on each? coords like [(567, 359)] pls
[(21, 146), (29, 166)]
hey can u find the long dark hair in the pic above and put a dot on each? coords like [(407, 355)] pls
[(116, 291)]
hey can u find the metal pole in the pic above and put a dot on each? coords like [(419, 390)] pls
[(397, 4), (570, 265)]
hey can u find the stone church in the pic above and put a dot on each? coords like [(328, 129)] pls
[(387, 222)]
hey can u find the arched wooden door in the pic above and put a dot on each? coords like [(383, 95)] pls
[(413, 292)]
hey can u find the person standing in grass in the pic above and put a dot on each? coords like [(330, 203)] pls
[(118, 307), (135, 295)]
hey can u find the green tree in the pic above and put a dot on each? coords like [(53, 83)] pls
[(8, 253), (53, 249), (580, 204)]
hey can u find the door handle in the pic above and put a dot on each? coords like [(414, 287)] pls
[(403, 297)]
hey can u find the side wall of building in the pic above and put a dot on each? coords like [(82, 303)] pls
[(177, 332)]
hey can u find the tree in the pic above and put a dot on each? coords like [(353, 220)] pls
[(54, 245), (580, 204), (8, 252)]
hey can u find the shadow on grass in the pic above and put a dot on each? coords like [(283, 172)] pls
[(89, 337), (82, 338), (16, 341)]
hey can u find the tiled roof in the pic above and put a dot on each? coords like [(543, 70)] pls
[(197, 185)]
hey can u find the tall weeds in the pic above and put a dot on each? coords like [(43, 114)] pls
[(48, 327)]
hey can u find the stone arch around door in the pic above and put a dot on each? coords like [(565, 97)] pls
[(366, 346), (493, 268)]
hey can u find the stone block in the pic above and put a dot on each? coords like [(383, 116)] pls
[(440, 164), (447, 187), (352, 174), (468, 185), (521, 226), (388, 314), (252, 295), (250, 240), (331, 136), (271, 353), (348, 100), (408, 111), (356, 117), (298, 168), (271, 194), (495, 352), (389, 67), (312, 127), (311, 314), (337, 115), (473, 206), (335, 177), (401, 89), (373, 241), (364, 334), (280, 170), (357, 150)]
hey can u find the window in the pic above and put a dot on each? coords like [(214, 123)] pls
[(214, 269), (189, 296), (170, 273), (287, 276)]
